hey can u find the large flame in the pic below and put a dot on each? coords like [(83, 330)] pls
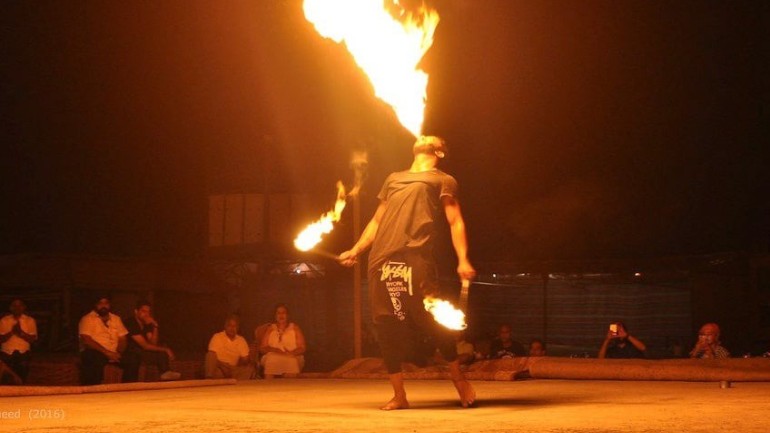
[(387, 49), (311, 236), (445, 313)]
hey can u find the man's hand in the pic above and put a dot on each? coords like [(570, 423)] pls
[(348, 258), (465, 270), (227, 369), (702, 346), (170, 354)]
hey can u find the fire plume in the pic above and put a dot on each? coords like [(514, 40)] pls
[(386, 48), (445, 313), (312, 234)]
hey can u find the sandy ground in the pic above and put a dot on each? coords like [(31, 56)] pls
[(314, 405)]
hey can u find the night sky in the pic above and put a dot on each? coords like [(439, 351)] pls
[(577, 129)]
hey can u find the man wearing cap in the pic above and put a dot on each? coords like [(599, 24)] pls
[(402, 269), (102, 340)]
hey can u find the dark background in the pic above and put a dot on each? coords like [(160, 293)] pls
[(577, 129)]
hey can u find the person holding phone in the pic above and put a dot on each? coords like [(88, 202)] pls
[(709, 345), (620, 344)]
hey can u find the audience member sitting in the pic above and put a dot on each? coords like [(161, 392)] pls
[(17, 332), (709, 345), (102, 341), (619, 344), (143, 335), (465, 352), (504, 346), (283, 346), (228, 354), (536, 348)]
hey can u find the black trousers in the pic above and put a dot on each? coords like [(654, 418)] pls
[(401, 340), (131, 361), (18, 362), (400, 286), (92, 364)]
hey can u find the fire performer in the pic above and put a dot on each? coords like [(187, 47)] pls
[(402, 269)]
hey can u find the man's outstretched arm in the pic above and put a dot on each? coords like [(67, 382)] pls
[(348, 258)]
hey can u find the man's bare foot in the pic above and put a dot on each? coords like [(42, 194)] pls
[(466, 392), (396, 403)]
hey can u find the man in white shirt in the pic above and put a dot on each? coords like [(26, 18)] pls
[(228, 354), (102, 341), (17, 332)]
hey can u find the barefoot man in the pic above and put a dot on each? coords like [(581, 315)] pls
[(402, 269)]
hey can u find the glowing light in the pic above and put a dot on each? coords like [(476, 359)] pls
[(445, 313), (388, 49), (313, 233)]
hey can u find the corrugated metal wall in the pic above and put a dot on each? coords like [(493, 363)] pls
[(576, 311)]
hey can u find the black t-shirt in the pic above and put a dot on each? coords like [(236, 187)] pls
[(135, 328), (413, 204), (628, 351), (405, 234), (499, 351)]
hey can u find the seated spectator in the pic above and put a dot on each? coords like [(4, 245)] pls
[(709, 344), (465, 352), (504, 346), (228, 355), (143, 347), (17, 332), (536, 348), (102, 341), (619, 344), (283, 346)]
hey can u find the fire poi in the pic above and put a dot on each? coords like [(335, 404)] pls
[(387, 42)]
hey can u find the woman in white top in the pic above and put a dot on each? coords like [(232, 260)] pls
[(283, 346)]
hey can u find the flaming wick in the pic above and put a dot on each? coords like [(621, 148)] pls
[(445, 314), (312, 234)]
